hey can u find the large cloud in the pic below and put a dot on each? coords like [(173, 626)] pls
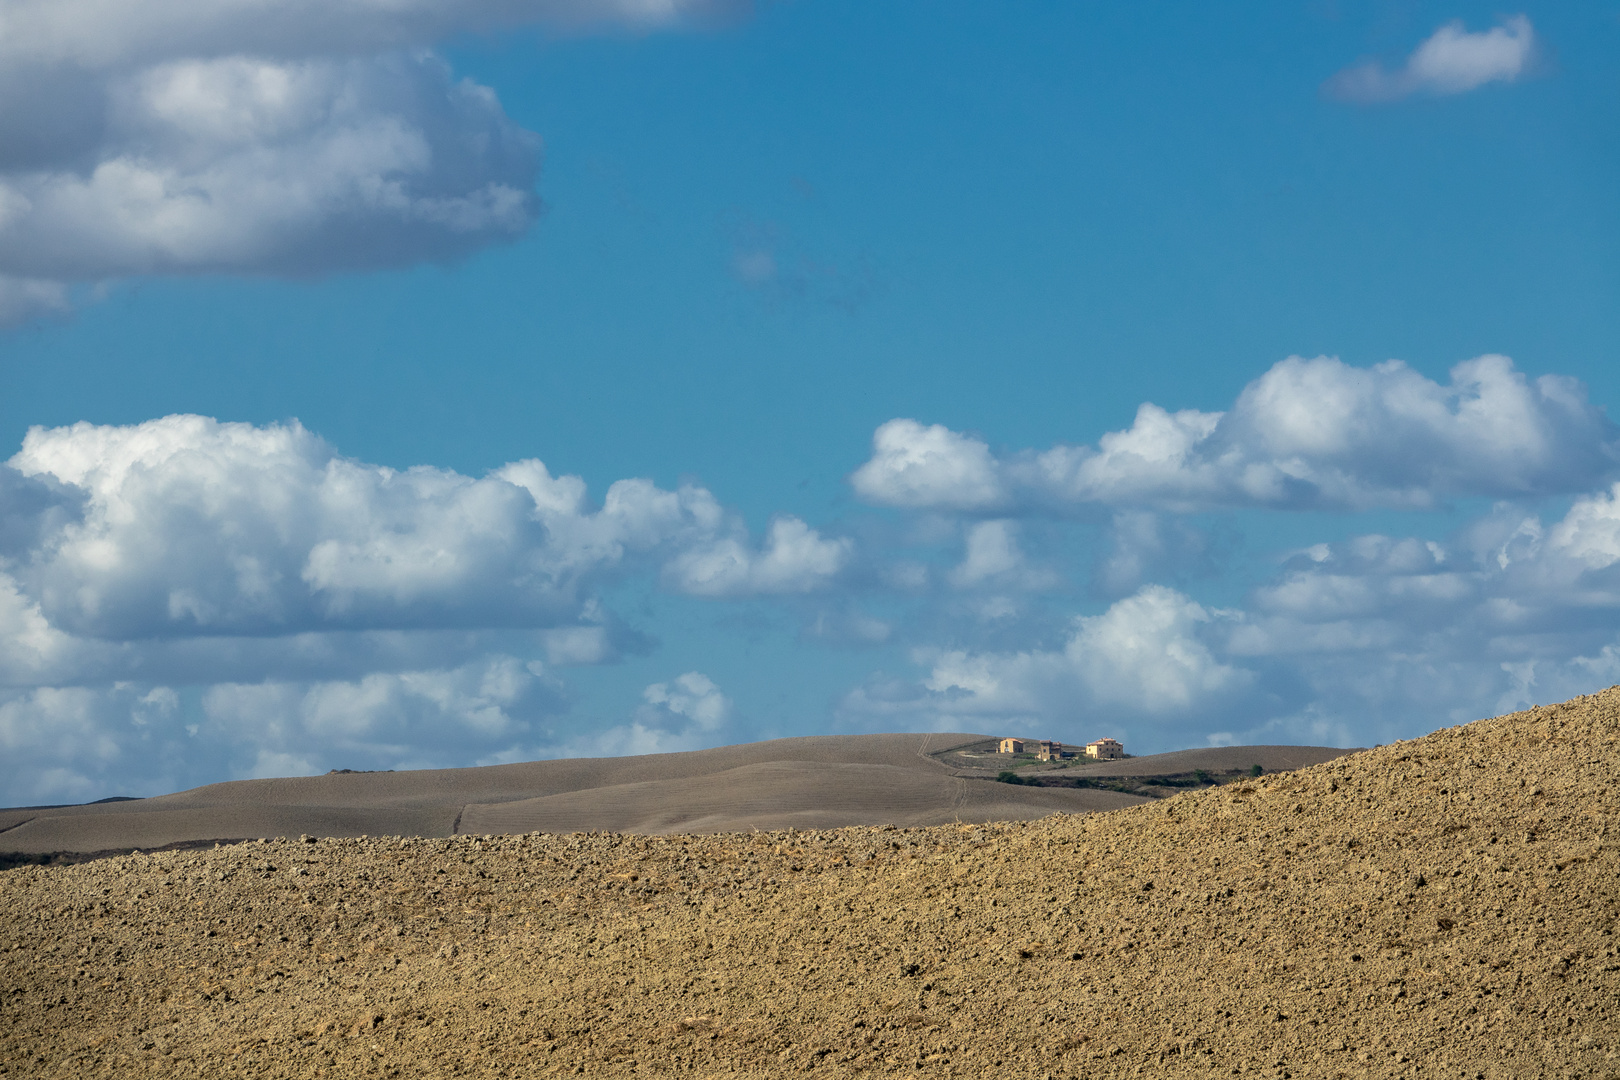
[(106, 33), (81, 742), (186, 530), (184, 598), (1451, 61), (794, 559), (1146, 656), (248, 165), (190, 527), (1308, 434), (257, 136), (687, 713), (1363, 640)]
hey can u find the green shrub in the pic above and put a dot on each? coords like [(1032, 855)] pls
[(1255, 770), (1006, 776)]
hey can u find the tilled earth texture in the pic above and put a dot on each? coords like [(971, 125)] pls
[(1439, 907)]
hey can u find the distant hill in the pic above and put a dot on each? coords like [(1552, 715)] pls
[(809, 783)]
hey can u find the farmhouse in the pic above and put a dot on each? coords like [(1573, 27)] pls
[(1043, 749), (1105, 750)]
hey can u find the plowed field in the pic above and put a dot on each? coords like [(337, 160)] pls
[(1440, 907)]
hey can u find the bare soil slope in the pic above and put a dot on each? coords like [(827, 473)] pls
[(1440, 907), (823, 781)]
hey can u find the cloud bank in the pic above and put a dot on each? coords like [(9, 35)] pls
[(1309, 434), (1451, 61), (319, 606), (1368, 639), (1355, 640), (281, 137), (185, 600)]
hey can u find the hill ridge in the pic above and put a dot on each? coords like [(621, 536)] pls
[(649, 793)]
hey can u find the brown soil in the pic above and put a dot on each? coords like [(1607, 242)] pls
[(1440, 907), (806, 783)]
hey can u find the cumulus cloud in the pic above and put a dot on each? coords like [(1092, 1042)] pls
[(1451, 61), (1309, 434), (186, 526), (265, 137), (246, 165), (60, 743), (102, 33), (479, 712), (1350, 642), (689, 712), (1507, 612), (136, 738), (1146, 656), (693, 697), (993, 557), (332, 605), (794, 559), (931, 467), (1145, 544)]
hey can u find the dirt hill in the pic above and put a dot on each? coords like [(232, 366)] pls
[(808, 783), (1439, 907)]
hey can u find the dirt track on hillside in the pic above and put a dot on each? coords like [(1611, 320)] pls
[(1440, 907)]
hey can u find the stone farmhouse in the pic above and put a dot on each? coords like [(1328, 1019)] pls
[(1105, 750), (1047, 750)]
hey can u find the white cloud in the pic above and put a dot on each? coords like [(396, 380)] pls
[(247, 165), (86, 742), (993, 557), (191, 526), (687, 713), (1144, 653), (258, 136), (1144, 545), (992, 551), (103, 33), (1145, 657), (928, 467), (1590, 532), (407, 719), (1451, 61), (259, 603), (184, 544), (1351, 642), (795, 559), (693, 696), (186, 599), (1309, 434), (59, 742), (69, 743)]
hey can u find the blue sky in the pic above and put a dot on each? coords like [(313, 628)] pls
[(851, 298)]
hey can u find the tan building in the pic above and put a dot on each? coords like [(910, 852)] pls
[(1105, 750), (1011, 746), (1047, 750)]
